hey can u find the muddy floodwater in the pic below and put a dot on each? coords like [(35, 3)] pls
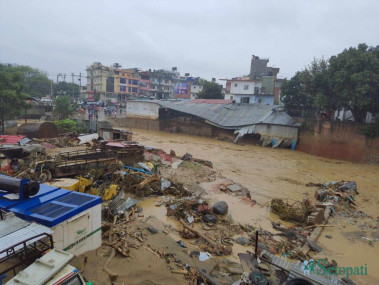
[(282, 173)]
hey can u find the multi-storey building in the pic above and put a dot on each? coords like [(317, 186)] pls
[(127, 83), (258, 87), (162, 83), (144, 83), (101, 79)]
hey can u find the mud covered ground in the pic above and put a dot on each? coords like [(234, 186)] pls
[(269, 173)]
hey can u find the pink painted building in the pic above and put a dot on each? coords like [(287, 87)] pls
[(144, 83)]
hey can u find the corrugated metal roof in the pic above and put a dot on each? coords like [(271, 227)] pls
[(211, 101), (21, 230), (233, 115), (10, 139)]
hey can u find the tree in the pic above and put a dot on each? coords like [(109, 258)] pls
[(295, 97), (300, 92), (63, 107), (36, 83), (66, 126), (65, 88), (352, 81), (211, 90), (12, 97)]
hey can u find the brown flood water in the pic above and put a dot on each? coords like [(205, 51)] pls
[(282, 173)]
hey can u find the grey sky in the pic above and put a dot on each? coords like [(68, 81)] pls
[(205, 38)]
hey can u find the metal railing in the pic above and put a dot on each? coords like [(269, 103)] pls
[(28, 252)]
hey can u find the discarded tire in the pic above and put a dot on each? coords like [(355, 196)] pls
[(220, 208)]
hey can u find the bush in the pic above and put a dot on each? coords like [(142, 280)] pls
[(371, 130), (66, 126)]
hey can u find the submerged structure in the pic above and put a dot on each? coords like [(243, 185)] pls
[(216, 118)]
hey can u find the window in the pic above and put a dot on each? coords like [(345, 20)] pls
[(245, 100), (246, 87), (231, 97), (123, 80), (235, 84), (130, 82), (129, 89), (256, 90), (134, 89), (259, 101), (135, 82), (123, 88)]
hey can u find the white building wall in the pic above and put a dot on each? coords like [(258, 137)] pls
[(195, 89), (239, 87), (253, 99), (140, 109)]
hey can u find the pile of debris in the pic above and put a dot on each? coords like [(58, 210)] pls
[(296, 212)]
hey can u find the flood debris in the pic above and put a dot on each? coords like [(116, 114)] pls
[(289, 212), (124, 172)]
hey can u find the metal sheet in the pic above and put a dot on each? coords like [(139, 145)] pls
[(232, 116), (20, 230)]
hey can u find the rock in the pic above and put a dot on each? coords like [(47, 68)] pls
[(328, 236), (234, 187), (220, 208), (210, 218), (314, 246), (262, 246), (242, 241), (152, 230), (181, 243)]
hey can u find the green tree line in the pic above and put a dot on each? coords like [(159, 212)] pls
[(349, 80), (18, 83)]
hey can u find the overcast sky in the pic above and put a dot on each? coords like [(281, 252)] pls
[(205, 38)]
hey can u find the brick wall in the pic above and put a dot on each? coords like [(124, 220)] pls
[(338, 140)]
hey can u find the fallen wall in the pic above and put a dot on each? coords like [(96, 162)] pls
[(337, 140)]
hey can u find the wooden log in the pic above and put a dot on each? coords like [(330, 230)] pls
[(147, 181), (111, 274)]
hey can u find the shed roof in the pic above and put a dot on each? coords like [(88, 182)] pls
[(233, 116), (7, 139)]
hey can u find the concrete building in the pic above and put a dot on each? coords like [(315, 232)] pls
[(259, 87), (127, 83), (162, 83), (144, 83), (101, 79)]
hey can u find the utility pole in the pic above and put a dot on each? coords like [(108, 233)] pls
[(80, 83), (72, 86), (2, 118), (51, 89), (64, 77), (58, 75)]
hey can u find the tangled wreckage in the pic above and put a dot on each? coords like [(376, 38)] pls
[(124, 173)]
